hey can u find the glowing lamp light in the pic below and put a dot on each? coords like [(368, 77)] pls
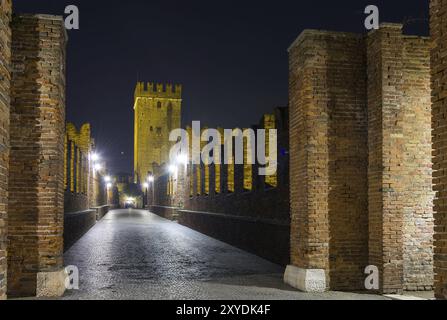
[(146, 185), (172, 169), (107, 179), (95, 157), (130, 200), (97, 167), (151, 179), (109, 186), (182, 159)]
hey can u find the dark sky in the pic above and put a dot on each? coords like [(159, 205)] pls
[(231, 56)]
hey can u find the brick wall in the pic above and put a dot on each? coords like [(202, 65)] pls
[(438, 10), (36, 186), (419, 195), (5, 57), (74, 202), (263, 201), (77, 224), (361, 157), (386, 141), (248, 219), (328, 139), (347, 152), (400, 188)]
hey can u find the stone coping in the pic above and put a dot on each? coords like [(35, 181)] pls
[(78, 213), (244, 218)]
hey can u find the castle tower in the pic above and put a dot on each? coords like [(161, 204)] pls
[(157, 113)]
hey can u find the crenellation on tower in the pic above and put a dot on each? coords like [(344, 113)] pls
[(178, 89), (158, 90)]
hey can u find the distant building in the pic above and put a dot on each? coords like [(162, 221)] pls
[(157, 113)]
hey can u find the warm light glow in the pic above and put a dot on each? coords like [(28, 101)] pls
[(173, 169), (151, 179), (109, 186), (97, 167), (182, 159), (107, 179), (145, 185), (130, 200), (95, 157)]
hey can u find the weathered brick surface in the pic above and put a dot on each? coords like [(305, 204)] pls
[(36, 185), (5, 57), (361, 157), (400, 188), (438, 10), (386, 157), (308, 162), (347, 154), (328, 142), (419, 194)]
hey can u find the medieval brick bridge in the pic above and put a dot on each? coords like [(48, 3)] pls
[(133, 254), (361, 180)]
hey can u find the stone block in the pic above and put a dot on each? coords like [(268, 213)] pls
[(306, 280)]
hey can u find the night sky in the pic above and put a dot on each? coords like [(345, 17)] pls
[(230, 56)]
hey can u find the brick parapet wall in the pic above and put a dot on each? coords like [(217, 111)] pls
[(5, 77), (438, 25), (36, 197), (262, 201)]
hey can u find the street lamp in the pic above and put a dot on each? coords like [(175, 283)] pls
[(107, 179), (95, 157), (151, 179), (97, 167), (172, 169), (182, 159)]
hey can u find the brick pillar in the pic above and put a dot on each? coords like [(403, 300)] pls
[(418, 193), (328, 161), (36, 197), (399, 174), (438, 11), (5, 61), (386, 156), (309, 176)]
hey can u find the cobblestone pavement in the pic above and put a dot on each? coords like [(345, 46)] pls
[(133, 254)]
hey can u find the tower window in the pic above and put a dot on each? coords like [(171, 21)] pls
[(152, 129), (159, 131), (159, 105)]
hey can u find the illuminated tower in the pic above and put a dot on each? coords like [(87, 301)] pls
[(157, 113)]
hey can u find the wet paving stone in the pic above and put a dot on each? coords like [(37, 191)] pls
[(136, 255)]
